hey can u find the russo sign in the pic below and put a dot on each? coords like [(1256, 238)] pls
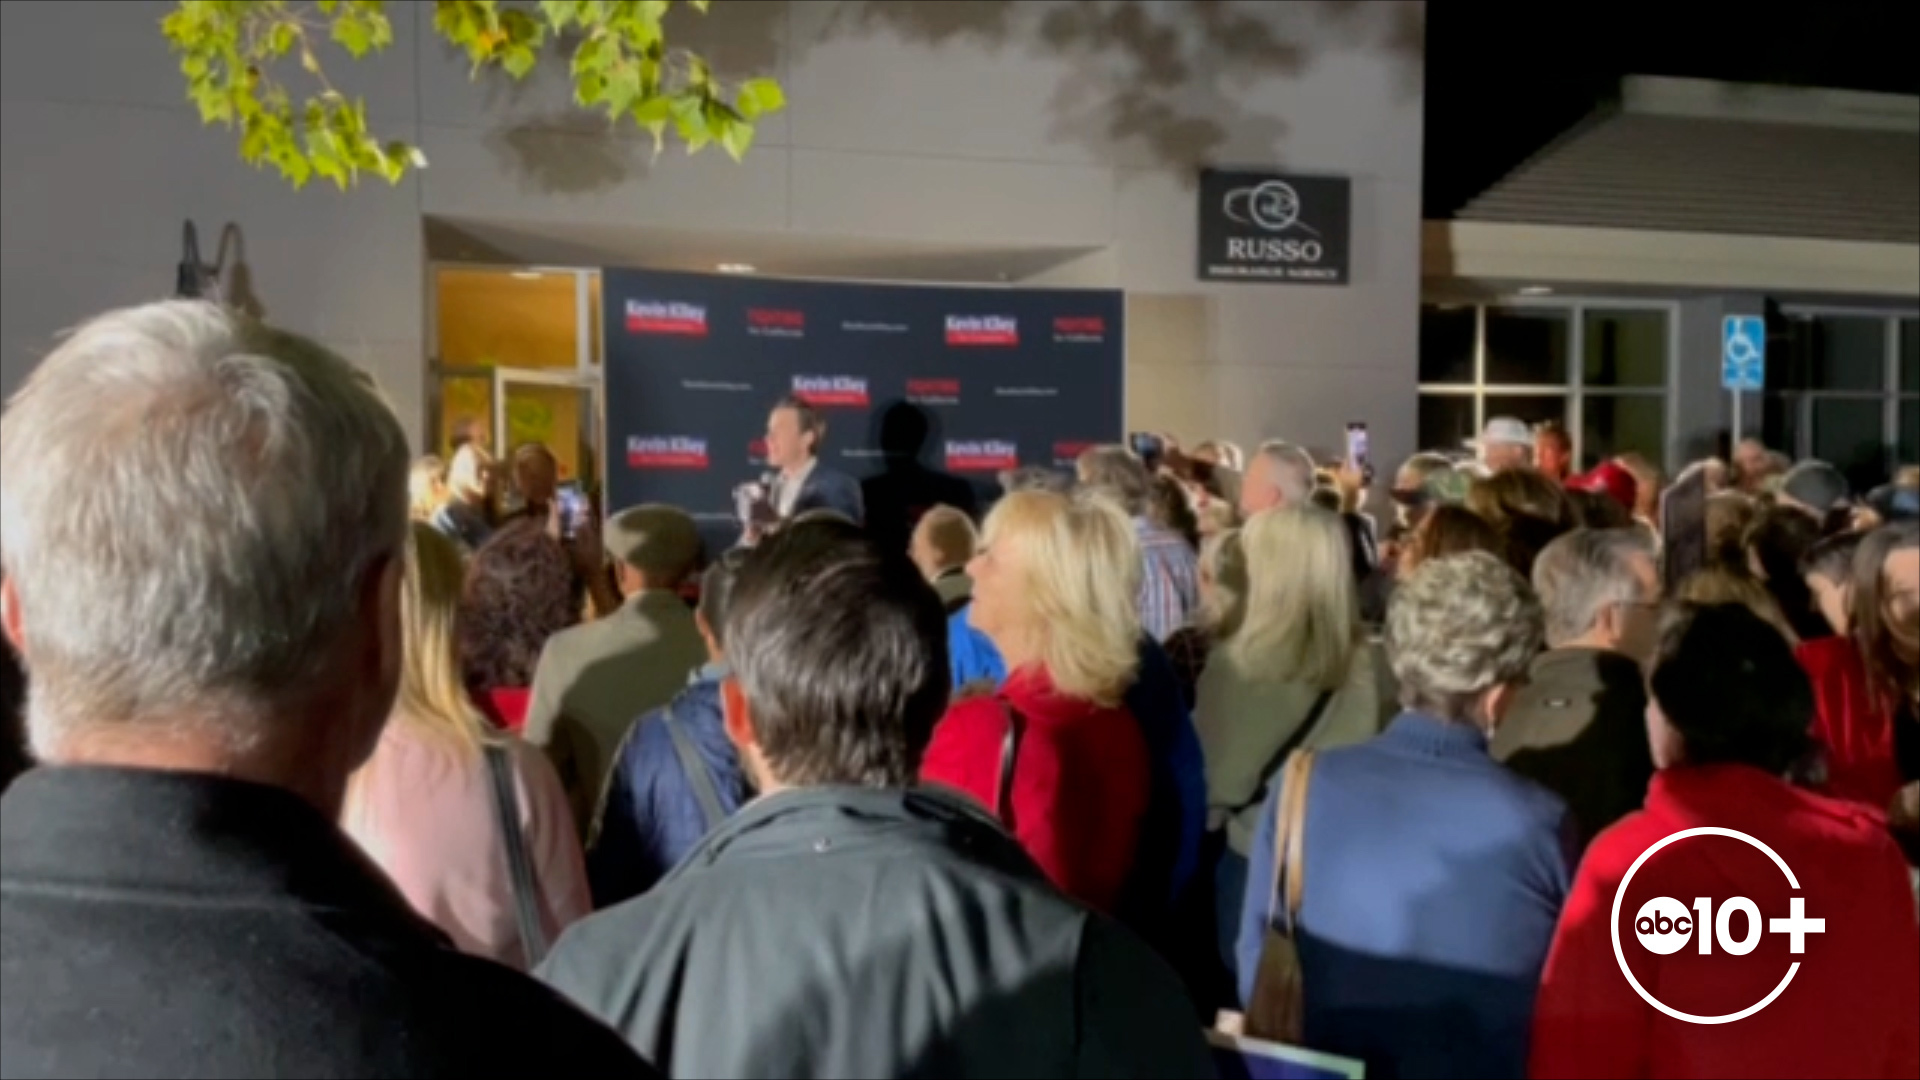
[(1274, 227)]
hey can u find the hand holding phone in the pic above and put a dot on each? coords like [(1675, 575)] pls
[(575, 509), (1359, 453)]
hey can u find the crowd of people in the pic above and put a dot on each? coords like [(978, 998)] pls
[(344, 764)]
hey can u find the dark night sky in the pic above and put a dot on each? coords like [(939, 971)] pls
[(1503, 80)]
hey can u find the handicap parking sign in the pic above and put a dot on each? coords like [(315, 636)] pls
[(1743, 352)]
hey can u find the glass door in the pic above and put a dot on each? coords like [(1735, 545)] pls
[(560, 410)]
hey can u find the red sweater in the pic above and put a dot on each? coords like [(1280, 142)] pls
[(1080, 784), (1852, 1008), (1852, 723)]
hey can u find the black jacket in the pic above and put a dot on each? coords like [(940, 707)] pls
[(851, 932), (1579, 729), (173, 924)]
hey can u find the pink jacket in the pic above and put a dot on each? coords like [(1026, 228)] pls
[(425, 812)]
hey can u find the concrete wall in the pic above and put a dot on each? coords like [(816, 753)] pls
[(1038, 124)]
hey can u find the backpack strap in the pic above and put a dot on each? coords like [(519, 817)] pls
[(1009, 758), (526, 891), (699, 777)]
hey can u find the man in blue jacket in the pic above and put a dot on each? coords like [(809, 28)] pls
[(675, 776)]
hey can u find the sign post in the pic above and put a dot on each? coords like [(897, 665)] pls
[(1743, 361)]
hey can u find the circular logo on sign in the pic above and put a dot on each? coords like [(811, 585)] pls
[(1665, 925), (1272, 205)]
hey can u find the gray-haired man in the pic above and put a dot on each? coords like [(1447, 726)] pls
[(202, 523), (1578, 727)]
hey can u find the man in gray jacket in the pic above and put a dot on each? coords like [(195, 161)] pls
[(846, 923)]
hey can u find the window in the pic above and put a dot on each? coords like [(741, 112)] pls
[(1600, 369), (1845, 389)]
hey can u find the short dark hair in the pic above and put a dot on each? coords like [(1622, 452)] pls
[(841, 649), (1778, 539), (1727, 682), (1832, 557), (811, 422), (716, 592)]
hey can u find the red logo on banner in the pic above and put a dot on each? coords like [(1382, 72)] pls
[(666, 452), (932, 387), (757, 449), (984, 455), (1087, 329), (1071, 451), (666, 317), (776, 322), (983, 330), (831, 390)]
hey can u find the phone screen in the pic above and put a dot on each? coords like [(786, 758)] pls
[(1359, 456), (1145, 446), (574, 509)]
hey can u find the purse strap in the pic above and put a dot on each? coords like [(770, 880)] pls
[(699, 777), (1287, 747), (526, 896), (1009, 758), (1290, 840)]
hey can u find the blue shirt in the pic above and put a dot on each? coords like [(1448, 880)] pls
[(1433, 878), (1177, 809), (1169, 579), (650, 818)]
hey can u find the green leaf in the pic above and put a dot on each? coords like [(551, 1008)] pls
[(559, 14), (653, 110), (327, 6), (353, 33), (518, 61), (737, 136), (281, 39), (658, 129), (759, 97)]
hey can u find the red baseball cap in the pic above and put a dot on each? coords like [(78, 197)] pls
[(1611, 479)]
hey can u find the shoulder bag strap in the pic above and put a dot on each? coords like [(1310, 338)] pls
[(698, 777), (526, 895), (1290, 843), (1009, 757), (1280, 756)]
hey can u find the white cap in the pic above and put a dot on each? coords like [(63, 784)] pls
[(1503, 431)]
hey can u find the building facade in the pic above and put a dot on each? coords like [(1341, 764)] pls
[(1047, 143)]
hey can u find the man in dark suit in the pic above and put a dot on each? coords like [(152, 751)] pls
[(795, 430), (212, 657)]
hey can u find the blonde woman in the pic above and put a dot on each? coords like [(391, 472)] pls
[(1292, 669), (426, 487), (423, 806), (1053, 588)]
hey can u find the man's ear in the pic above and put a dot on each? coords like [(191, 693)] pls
[(1608, 624), (739, 720), (10, 616)]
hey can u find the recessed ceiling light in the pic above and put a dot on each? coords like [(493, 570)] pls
[(527, 275), (1536, 290), (735, 268)]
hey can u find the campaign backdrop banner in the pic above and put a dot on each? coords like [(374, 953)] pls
[(928, 392)]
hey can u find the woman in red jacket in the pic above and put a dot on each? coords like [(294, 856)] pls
[(1866, 682), (1053, 753), (1728, 714)]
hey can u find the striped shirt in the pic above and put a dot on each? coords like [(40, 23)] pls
[(1170, 583)]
